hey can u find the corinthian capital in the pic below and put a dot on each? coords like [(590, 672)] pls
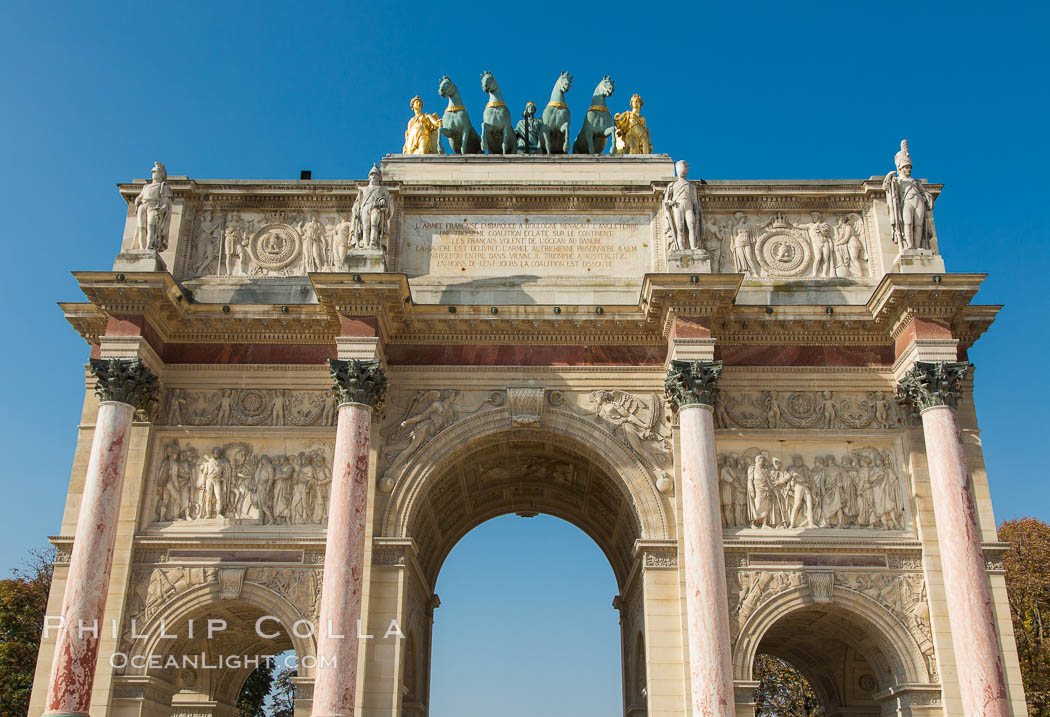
[(359, 381), (125, 380), (690, 383), (932, 383)]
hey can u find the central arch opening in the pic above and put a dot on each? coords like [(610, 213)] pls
[(526, 624), (532, 532)]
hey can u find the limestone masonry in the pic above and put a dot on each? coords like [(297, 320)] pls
[(753, 395)]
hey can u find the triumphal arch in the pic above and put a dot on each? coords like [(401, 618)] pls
[(753, 395)]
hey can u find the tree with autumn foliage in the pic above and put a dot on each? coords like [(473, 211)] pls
[(1027, 565), (23, 604)]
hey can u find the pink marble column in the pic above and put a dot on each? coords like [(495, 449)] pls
[(977, 654), (87, 582), (934, 388), (691, 385), (335, 679)]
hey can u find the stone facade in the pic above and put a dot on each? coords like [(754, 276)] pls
[(508, 328)]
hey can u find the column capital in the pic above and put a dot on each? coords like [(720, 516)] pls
[(125, 380), (359, 381), (691, 383), (933, 383)]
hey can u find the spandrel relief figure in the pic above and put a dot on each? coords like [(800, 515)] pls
[(682, 210), (634, 422), (910, 205), (423, 131), (372, 212), (744, 247), (632, 133), (153, 208), (429, 413), (859, 490)]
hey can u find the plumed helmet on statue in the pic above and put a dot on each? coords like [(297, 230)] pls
[(158, 167), (375, 171), (902, 159)]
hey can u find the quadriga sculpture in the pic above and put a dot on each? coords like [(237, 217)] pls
[(455, 123), (497, 131), (598, 124), (556, 115)]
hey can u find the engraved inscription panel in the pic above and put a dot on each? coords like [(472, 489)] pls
[(535, 245)]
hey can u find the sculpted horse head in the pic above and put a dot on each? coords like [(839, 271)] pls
[(488, 82), (446, 86), (605, 87), (564, 82)]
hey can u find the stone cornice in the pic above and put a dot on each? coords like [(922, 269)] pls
[(176, 318)]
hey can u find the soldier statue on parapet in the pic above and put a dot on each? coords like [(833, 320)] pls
[(682, 210), (909, 203), (153, 205), (370, 216)]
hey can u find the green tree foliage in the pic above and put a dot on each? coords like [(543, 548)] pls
[(782, 690), (23, 604), (1027, 565), (252, 701), (284, 693)]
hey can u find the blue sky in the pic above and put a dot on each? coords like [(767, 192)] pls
[(95, 92)]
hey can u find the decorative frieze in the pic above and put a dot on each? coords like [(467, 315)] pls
[(806, 410), (248, 407)]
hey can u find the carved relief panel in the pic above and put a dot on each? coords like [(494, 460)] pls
[(807, 485), (791, 245), (254, 244), (215, 483)]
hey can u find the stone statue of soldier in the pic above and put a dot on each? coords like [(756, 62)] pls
[(153, 206), (909, 203), (682, 210), (371, 213)]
